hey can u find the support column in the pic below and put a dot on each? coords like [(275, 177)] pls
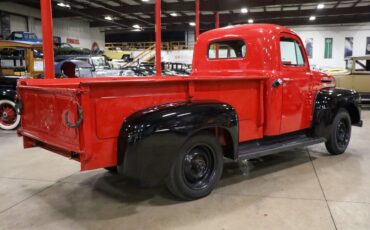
[(197, 19), (217, 20), (158, 38), (47, 38)]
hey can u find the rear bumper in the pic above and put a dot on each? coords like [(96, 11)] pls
[(30, 141)]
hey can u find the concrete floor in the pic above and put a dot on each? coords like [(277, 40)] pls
[(301, 189)]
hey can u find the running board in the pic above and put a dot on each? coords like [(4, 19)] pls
[(254, 150)]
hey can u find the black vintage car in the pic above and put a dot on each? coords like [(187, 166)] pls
[(9, 119)]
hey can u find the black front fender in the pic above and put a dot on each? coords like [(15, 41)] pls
[(328, 103), (150, 140)]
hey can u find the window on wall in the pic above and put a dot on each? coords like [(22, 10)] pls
[(328, 48), (229, 49), (291, 52)]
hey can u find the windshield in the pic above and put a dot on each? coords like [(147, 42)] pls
[(30, 36), (98, 61), (18, 35)]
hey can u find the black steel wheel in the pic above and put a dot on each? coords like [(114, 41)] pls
[(197, 168), (340, 133)]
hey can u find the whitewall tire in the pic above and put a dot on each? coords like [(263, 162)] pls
[(9, 119)]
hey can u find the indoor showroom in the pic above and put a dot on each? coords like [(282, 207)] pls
[(185, 114)]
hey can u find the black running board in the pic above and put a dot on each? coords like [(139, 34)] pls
[(250, 151)]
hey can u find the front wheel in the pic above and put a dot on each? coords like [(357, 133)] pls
[(9, 119), (197, 168), (340, 133)]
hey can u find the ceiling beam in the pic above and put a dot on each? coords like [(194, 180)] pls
[(260, 16), (284, 22), (206, 5)]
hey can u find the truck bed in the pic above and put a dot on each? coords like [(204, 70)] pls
[(107, 102)]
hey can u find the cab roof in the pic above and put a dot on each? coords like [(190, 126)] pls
[(240, 30)]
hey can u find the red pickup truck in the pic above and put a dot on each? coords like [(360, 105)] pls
[(251, 94)]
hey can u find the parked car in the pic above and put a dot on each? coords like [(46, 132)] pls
[(24, 37), (117, 53), (251, 93), (117, 63), (9, 118), (67, 49), (84, 66), (356, 76)]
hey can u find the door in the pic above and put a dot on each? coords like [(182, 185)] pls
[(296, 77)]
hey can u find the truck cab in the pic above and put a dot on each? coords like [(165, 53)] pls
[(251, 93)]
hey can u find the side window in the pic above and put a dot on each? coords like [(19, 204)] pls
[(228, 49), (291, 52)]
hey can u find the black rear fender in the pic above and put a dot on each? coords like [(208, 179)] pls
[(150, 139)]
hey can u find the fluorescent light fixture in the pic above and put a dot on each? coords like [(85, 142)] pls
[(250, 21), (109, 18), (244, 10), (137, 26), (62, 4), (312, 18), (145, 0), (192, 23), (174, 14), (320, 6)]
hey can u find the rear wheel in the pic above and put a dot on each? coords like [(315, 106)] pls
[(197, 169), (340, 133), (9, 119)]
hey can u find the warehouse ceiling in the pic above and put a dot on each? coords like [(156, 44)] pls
[(128, 15)]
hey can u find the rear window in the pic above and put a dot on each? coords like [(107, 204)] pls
[(229, 49)]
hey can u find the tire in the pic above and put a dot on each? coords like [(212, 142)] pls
[(9, 118), (340, 133), (197, 168)]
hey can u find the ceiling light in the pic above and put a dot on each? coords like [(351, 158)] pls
[(244, 10), (174, 14), (192, 23), (321, 6), (250, 21), (312, 18), (109, 18), (137, 26), (145, 0), (62, 4)]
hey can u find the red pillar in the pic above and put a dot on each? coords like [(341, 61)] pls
[(47, 38), (158, 37), (217, 20), (197, 19)]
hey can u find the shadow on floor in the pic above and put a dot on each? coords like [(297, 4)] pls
[(130, 192), (102, 195)]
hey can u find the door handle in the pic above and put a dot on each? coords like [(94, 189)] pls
[(277, 83)]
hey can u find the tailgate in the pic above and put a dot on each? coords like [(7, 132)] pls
[(51, 115)]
